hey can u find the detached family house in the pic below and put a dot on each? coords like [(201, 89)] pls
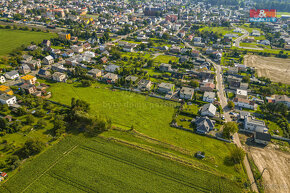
[(209, 97), (8, 99), (110, 78), (95, 73), (204, 125), (59, 77), (12, 75), (208, 110), (144, 84), (48, 60), (165, 87), (186, 93)]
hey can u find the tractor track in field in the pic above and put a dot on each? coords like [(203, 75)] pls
[(71, 182), (146, 169)]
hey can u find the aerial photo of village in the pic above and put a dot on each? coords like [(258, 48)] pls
[(135, 96)]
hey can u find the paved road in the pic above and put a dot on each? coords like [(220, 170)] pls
[(224, 102), (245, 33)]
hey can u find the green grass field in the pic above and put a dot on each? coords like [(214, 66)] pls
[(11, 39), (149, 116), (222, 30), (79, 164), (166, 59)]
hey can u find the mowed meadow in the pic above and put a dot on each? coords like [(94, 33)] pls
[(149, 116), (79, 164), (11, 39)]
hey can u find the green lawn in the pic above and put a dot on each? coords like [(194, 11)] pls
[(149, 116), (11, 39), (166, 59), (222, 30), (79, 164)]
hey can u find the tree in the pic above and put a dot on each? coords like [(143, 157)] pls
[(229, 129), (237, 155), (231, 104), (41, 123), (59, 126), (194, 83), (246, 79), (86, 83), (31, 147), (29, 119)]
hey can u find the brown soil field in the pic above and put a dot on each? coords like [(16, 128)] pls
[(276, 176), (277, 69)]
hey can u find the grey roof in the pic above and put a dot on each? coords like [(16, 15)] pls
[(112, 68), (204, 124), (6, 97), (166, 85), (186, 90), (209, 95), (208, 108), (133, 78), (12, 73), (263, 136), (94, 71)]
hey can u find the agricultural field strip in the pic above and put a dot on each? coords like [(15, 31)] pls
[(58, 160), (107, 155)]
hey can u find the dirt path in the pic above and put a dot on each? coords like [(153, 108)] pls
[(277, 69), (276, 176)]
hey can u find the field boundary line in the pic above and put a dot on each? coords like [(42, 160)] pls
[(58, 160)]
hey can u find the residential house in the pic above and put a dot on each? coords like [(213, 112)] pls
[(77, 49), (24, 69), (186, 93), (48, 60), (131, 78), (207, 86), (29, 79), (27, 58), (244, 103), (283, 99), (144, 84), (8, 99), (2, 79), (233, 70), (209, 97), (104, 60), (28, 88), (242, 94), (165, 87), (112, 68), (44, 73), (208, 110), (46, 43), (34, 64), (12, 75), (59, 77), (5, 90), (129, 48), (204, 125), (95, 73), (253, 125), (262, 138), (165, 67), (110, 78)]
